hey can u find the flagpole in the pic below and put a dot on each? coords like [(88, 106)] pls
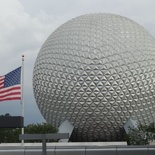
[(22, 97)]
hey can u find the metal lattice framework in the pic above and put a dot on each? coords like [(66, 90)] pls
[(96, 70)]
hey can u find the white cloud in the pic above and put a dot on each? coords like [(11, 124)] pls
[(20, 34), (19, 31)]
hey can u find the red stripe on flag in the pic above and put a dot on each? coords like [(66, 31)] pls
[(1, 87), (5, 90), (13, 98), (10, 94), (2, 77), (1, 81)]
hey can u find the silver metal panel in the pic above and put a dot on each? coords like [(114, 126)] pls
[(70, 151), (130, 124), (38, 151), (137, 150), (12, 152), (51, 151), (70, 144), (33, 152), (101, 151), (43, 136), (151, 150), (96, 70), (66, 127)]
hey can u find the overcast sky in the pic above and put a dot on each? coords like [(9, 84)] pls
[(26, 24)]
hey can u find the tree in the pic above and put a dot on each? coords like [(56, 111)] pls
[(40, 129), (9, 135), (142, 135)]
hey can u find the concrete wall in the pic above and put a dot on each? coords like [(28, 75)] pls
[(77, 150)]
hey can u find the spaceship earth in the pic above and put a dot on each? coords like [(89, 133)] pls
[(97, 71)]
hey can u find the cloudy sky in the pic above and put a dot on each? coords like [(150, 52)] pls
[(26, 24)]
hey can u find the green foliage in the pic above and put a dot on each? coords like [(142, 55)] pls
[(9, 135), (40, 128), (142, 135)]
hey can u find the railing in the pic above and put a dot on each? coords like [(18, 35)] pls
[(79, 150), (44, 137)]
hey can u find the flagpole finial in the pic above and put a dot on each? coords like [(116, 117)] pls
[(22, 57)]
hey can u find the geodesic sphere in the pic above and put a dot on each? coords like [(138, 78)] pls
[(97, 71)]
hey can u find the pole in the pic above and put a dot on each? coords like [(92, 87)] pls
[(22, 96), (43, 144)]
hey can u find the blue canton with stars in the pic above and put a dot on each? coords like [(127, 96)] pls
[(12, 78)]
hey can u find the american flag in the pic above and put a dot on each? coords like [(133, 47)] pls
[(10, 88)]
